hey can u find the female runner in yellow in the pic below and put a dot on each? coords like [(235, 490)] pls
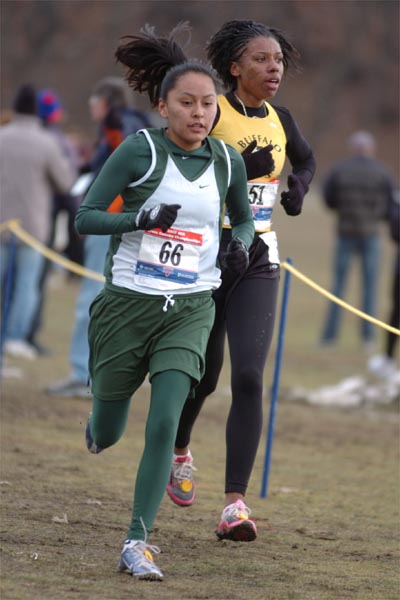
[(251, 59)]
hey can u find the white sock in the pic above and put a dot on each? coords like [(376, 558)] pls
[(176, 456)]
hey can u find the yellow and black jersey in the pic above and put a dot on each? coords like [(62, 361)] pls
[(267, 125), (240, 131)]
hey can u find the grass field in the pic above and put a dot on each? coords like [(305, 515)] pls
[(328, 530)]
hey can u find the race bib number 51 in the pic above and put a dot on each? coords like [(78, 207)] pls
[(262, 197), (170, 257)]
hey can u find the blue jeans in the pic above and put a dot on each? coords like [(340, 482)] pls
[(25, 293), (95, 250), (369, 251)]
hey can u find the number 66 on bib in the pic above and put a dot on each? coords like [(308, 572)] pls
[(168, 260)]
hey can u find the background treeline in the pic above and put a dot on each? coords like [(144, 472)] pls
[(349, 49)]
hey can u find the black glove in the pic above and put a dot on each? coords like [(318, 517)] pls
[(162, 216), (292, 201), (236, 257), (259, 163)]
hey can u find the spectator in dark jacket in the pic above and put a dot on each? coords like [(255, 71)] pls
[(386, 365), (359, 189)]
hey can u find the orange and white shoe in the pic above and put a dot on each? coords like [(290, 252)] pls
[(181, 484), (235, 524)]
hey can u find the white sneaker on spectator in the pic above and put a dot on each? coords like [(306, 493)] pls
[(69, 388), (20, 349), (382, 366)]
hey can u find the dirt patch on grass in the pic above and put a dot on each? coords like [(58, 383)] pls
[(328, 529)]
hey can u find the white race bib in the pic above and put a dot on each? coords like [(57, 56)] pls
[(169, 259), (262, 197)]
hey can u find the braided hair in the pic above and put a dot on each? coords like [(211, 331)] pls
[(154, 64), (230, 42)]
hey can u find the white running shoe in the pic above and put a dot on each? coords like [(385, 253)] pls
[(137, 560)]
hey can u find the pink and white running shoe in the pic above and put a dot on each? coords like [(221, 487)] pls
[(235, 524)]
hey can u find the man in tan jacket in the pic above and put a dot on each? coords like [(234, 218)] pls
[(32, 168)]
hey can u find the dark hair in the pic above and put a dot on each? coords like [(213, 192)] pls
[(229, 43), (156, 63), (25, 101)]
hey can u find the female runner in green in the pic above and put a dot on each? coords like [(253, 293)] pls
[(155, 312)]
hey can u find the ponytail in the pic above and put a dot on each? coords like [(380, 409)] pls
[(155, 63)]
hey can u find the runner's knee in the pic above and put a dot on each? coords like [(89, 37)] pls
[(247, 380)]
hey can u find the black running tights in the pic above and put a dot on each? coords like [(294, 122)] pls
[(248, 320)]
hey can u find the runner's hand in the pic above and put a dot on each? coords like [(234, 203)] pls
[(236, 258), (259, 163), (292, 201), (161, 216)]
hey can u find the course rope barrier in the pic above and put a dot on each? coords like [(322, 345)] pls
[(334, 298), (14, 226)]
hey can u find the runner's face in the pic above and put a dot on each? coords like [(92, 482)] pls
[(190, 108), (258, 71)]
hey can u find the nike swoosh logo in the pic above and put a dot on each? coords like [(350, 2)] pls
[(204, 186), (185, 157)]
